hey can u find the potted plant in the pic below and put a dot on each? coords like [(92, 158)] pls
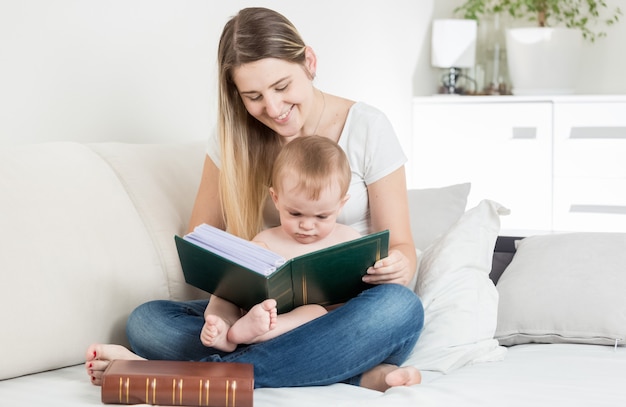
[(543, 59)]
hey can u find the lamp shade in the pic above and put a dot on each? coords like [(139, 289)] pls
[(453, 43)]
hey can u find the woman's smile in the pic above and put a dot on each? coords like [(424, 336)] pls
[(285, 116)]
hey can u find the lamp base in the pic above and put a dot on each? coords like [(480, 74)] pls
[(450, 82), (453, 82)]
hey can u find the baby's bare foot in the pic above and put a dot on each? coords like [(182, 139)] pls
[(384, 376), (258, 321), (99, 356), (215, 334)]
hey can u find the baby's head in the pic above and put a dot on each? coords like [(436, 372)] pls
[(315, 163), (310, 181)]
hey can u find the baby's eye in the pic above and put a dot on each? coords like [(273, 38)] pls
[(322, 217), (295, 214)]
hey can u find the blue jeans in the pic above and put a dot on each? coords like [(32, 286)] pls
[(381, 325)]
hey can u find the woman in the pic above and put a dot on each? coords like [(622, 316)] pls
[(266, 99)]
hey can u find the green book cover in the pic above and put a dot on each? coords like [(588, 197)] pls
[(326, 277)]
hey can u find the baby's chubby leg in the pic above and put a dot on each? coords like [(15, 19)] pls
[(279, 324)]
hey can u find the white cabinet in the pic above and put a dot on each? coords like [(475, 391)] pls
[(557, 163), (503, 149), (590, 166)]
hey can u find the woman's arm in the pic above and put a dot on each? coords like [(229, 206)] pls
[(389, 209), (207, 207)]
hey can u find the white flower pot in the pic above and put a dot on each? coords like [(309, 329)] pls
[(542, 60)]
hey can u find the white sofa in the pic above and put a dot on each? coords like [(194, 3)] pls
[(87, 234)]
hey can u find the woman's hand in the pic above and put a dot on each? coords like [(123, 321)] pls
[(389, 209), (394, 268)]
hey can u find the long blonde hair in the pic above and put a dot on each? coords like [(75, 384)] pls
[(248, 147)]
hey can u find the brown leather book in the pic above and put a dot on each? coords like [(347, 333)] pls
[(178, 383)]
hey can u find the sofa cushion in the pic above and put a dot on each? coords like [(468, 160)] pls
[(77, 255), (565, 288), (434, 210), (460, 300), (162, 181)]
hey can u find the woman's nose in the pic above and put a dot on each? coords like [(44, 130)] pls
[(273, 106)]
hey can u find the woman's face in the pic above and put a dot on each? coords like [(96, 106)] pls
[(278, 93)]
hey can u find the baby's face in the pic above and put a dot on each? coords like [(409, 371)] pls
[(304, 219)]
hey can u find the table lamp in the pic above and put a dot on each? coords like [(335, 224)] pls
[(453, 48)]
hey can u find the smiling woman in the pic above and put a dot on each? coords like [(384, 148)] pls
[(267, 99), (290, 106)]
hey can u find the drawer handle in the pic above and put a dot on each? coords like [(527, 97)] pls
[(524, 133), (606, 209), (598, 132)]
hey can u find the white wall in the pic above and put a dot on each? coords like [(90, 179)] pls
[(144, 70), (77, 70)]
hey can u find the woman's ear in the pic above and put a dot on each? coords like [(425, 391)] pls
[(310, 61)]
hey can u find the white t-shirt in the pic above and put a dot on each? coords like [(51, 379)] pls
[(373, 151)]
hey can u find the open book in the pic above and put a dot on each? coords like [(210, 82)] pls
[(245, 273)]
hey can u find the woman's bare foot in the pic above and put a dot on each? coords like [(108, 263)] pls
[(384, 376), (258, 321), (100, 355), (215, 334)]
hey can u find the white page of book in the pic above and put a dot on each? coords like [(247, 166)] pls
[(235, 249)]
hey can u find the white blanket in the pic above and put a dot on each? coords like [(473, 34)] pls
[(531, 375)]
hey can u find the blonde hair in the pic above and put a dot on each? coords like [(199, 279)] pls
[(317, 162), (248, 147)]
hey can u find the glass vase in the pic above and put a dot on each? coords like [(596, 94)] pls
[(491, 70)]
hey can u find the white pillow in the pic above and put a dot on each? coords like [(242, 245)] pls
[(434, 210), (460, 301), (162, 181), (565, 288)]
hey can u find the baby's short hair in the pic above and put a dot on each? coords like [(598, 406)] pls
[(316, 161)]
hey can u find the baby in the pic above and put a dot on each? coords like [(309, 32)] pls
[(310, 181)]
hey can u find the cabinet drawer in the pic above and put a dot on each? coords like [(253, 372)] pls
[(590, 140), (589, 157), (504, 150), (590, 204)]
